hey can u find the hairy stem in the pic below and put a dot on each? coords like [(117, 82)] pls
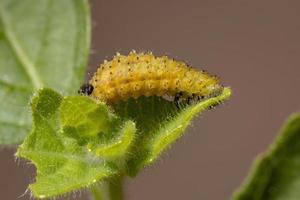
[(112, 189)]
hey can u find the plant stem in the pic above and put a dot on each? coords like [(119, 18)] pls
[(116, 188), (97, 193), (112, 189)]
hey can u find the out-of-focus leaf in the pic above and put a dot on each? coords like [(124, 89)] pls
[(276, 174), (67, 141), (42, 43), (159, 124)]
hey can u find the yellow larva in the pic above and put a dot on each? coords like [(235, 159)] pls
[(143, 74)]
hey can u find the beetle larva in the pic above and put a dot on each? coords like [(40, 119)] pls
[(143, 74)]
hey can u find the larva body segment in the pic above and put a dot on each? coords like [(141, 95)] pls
[(141, 74)]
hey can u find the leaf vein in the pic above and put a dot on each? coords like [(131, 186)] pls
[(13, 124), (13, 86), (26, 63)]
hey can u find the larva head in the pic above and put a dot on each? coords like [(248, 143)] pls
[(86, 89)]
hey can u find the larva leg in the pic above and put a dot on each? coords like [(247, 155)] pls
[(177, 99)]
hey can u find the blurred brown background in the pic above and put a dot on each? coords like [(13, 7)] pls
[(254, 46)]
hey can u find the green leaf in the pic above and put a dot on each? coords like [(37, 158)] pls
[(159, 124), (82, 116), (67, 141), (276, 174), (77, 141), (42, 43), (96, 126), (119, 146)]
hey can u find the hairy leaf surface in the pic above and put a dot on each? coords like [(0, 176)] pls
[(67, 140), (77, 141), (159, 124)]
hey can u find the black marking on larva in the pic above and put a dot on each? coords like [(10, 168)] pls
[(86, 89)]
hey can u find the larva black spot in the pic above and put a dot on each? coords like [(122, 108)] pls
[(86, 89)]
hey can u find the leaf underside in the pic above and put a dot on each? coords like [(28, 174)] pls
[(276, 174), (159, 124), (42, 43)]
